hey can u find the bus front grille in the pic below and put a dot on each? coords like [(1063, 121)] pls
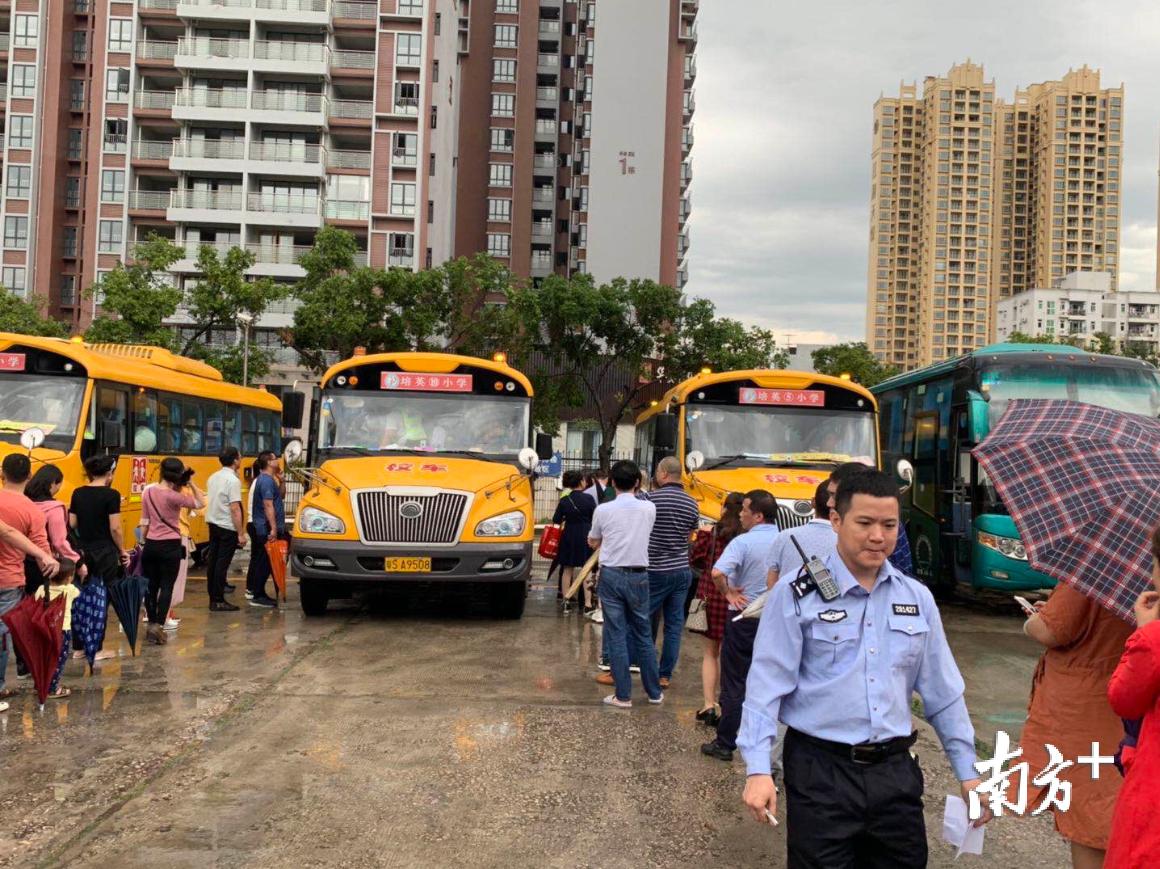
[(392, 518), (787, 518)]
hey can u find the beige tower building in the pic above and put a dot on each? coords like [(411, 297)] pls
[(973, 199)]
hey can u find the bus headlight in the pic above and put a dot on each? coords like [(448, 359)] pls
[(1012, 547), (315, 521), (504, 525)]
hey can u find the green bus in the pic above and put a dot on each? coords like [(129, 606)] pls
[(960, 533)]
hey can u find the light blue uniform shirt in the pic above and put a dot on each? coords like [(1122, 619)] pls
[(745, 561), (817, 537), (844, 670)]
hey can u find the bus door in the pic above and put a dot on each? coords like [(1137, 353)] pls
[(925, 512), (107, 429), (962, 486)]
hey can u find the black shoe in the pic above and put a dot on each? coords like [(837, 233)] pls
[(709, 716), (221, 606), (717, 750), (231, 587), (265, 602)]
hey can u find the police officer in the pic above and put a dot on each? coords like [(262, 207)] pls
[(837, 663)]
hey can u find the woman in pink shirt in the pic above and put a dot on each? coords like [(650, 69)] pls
[(42, 490), (161, 507)]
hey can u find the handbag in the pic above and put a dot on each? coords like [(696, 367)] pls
[(698, 618), (550, 541)]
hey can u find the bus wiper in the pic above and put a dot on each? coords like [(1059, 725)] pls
[(483, 457), (724, 460)]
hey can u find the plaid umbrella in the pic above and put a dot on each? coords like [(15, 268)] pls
[(35, 627), (89, 617), (1080, 482)]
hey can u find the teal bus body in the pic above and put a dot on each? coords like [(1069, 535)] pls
[(959, 530)]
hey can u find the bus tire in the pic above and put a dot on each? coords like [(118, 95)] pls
[(508, 599), (315, 597)]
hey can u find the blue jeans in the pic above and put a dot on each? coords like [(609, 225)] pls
[(624, 597), (9, 597), (667, 591)]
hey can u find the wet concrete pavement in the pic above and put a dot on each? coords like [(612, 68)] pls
[(396, 734)]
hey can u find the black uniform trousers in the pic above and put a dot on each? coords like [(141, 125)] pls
[(736, 656), (846, 815)]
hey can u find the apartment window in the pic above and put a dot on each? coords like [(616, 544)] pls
[(23, 83), (26, 30), (410, 7), (503, 105), (13, 279), (499, 244), (434, 117), (80, 46), (431, 167), (506, 35), (406, 148), (407, 97), (435, 71), (408, 48), (502, 140), (20, 131), (68, 241), (402, 248), (112, 185), (430, 212), (403, 199), (438, 23), (76, 94), (116, 135), (16, 232), (72, 192), (109, 236), (68, 289), (500, 175), (502, 70), (19, 181), (76, 143), (120, 34), (499, 210), (117, 85), (507, 6)]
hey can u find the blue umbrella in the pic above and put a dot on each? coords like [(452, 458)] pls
[(89, 615), (125, 597)]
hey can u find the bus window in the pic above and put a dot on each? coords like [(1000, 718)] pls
[(192, 427), (926, 462), (231, 430), (266, 422), (215, 413), (144, 421), (169, 423), (113, 411), (249, 432)]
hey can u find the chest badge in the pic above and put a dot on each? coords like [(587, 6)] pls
[(905, 609), (832, 616)]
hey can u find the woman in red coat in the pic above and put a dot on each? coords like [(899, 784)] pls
[(1134, 692)]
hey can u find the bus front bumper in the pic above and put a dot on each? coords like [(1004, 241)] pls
[(353, 562), (991, 569)]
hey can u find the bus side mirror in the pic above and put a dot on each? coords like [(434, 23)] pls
[(905, 471), (694, 460), (112, 435), (292, 453), (665, 435), (293, 408), (544, 447)]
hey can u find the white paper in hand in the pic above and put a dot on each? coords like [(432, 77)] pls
[(957, 829)]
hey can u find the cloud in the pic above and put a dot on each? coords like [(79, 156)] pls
[(785, 94)]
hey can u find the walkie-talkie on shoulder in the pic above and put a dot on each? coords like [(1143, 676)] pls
[(818, 572)]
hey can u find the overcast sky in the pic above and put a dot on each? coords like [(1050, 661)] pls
[(781, 159)]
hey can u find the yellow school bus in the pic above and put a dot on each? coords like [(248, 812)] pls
[(419, 470), (138, 403), (782, 431)]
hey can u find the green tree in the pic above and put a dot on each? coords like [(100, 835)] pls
[(854, 359), (221, 294), (1102, 342), (136, 299), (26, 318), (721, 343), (1022, 338)]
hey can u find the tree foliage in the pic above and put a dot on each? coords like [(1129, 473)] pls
[(1022, 338), (137, 298), (854, 359), (26, 317)]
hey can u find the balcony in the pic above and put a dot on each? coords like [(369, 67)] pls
[(348, 159), (351, 109), (211, 52), (548, 95), (209, 149), (115, 143), (148, 149), (347, 209), (549, 29), (690, 103), (5, 41), (542, 229), (548, 63), (401, 258), (355, 11), (287, 101), (296, 57), (546, 129), (286, 152), (304, 11), (541, 264), (404, 158), (160, 100), (344, 59), (156, 50), (272, 253), (209, 200), (687, 140), (299, 208), (161, 5), (688, 32), (148, 200), (408, 106), (545, 161), (544, 195), (690, 68)]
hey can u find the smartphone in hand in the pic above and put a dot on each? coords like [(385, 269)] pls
[(1025, 604)]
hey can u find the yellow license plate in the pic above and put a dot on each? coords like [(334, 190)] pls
[(408, 565)]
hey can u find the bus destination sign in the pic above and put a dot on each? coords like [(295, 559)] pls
[(12, 361), (411, 382), (794, 397)]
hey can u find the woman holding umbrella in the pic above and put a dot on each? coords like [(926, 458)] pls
[(161, 508)]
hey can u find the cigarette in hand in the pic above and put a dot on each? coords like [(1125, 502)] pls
[(770, 817)]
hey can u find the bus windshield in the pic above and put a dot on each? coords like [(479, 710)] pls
[(780, 435), (49, 403), (423, 423), (1128, 389)]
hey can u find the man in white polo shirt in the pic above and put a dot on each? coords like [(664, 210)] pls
[(621, 529), (227, 527)]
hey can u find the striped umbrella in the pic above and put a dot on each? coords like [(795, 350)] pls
[(1081, 483)]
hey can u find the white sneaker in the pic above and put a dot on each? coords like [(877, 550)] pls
[(597, 616), (634, 668), (658, 701), (612, 700), (171, 624), (3, 706), (249, 595), (607, 668)]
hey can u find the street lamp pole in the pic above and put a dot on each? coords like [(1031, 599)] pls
[(245, 320)]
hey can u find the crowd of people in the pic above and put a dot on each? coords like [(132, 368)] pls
[(48, 547)]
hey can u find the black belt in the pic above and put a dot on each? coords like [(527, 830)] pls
[(627, 569), (864, 753)]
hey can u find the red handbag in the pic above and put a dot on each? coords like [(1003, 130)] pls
[(550, 541)]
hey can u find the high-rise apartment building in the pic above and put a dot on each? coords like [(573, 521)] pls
[(571, 161), (428, 128), (974, 199)]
